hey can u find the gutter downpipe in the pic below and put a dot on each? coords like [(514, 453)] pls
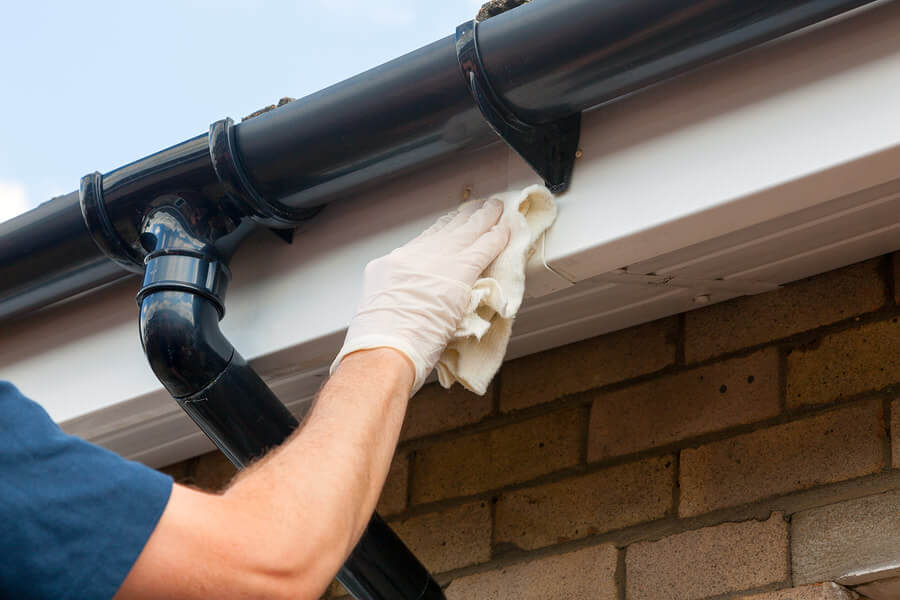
[(408, 113)]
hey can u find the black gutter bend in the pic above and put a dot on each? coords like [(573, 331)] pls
[(546, 59)]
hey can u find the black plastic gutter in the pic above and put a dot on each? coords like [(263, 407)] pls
[(545, 60), (45, 256)]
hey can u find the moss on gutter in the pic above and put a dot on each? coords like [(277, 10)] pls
[(492, 8), (266, 109)]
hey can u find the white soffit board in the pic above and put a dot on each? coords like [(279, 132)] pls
[(759, 170)]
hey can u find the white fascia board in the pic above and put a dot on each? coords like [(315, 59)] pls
[(770, 166), (778, 129)]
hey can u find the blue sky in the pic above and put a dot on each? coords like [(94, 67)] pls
[(89, 86)]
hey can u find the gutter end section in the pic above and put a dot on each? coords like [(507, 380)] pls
[(99, 226)]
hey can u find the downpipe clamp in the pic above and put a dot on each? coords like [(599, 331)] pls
[(186, 271), (226, 162)]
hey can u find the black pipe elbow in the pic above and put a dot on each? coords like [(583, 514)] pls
[(183, 298), (211, 381), (182, 340)]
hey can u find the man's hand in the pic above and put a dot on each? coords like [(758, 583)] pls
[(415, 297)]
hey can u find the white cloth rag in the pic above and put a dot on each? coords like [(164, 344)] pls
[(476, 350)]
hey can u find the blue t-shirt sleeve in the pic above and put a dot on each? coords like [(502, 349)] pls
[(73, 516)]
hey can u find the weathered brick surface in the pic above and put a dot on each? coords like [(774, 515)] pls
[(587, 574), (895, 433), (393, 496), (844, 364), (830, 447), (454, 538), (574, 508), (856, 535), (588, 364), (434, 409), (682, 405), (797, 307), (490, 459), (716, 560), (818, 591), (212, 471)]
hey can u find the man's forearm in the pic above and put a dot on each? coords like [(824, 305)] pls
[(334, 467), (286, 524)]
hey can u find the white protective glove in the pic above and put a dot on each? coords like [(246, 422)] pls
[(415, 297)]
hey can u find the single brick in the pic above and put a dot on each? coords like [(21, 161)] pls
[(834, 446), (818, 591), (588, 364), (706, 562), (895, 433), (835, 540), (800, 306), (490, 459), (587, 574), (574, 508), (454, 538), (674, 407), (434, 409), (844, 364), (393, 496), (213, 471)]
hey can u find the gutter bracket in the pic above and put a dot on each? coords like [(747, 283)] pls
[(226, 162), (549, 148)]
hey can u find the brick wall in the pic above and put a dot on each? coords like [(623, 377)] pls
[(738, 451)]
